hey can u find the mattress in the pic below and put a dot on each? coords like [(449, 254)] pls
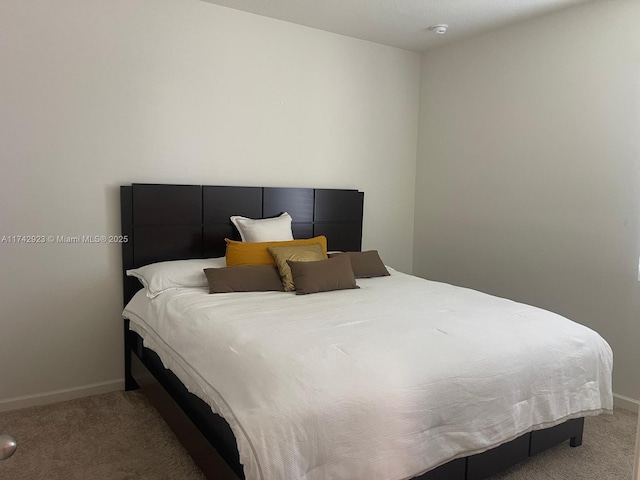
[(383, 382)]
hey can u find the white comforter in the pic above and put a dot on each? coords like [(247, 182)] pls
[(384, 382)]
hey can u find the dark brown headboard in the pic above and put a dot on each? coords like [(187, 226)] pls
[(176, 222)]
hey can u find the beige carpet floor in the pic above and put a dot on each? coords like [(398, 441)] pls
[(120, 436)]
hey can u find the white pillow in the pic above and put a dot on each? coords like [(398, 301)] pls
[(265, 230), (163, 276)]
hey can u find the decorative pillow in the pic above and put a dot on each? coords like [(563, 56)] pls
[(264, 230), (162, 276), (248, 253), (246, 278), (365, 264), (323, 276), (298, 253)]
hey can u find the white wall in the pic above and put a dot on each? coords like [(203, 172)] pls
[(528, 174), (108, 92)]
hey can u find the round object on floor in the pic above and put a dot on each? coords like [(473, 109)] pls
[(7, 446)]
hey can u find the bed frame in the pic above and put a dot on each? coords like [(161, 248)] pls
[(173, 222)]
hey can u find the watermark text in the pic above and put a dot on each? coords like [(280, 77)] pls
[(34, 239)]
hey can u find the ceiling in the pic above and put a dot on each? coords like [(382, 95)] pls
[(401, 23)]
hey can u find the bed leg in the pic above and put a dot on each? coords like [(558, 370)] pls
[(576, 440), (129, 382)]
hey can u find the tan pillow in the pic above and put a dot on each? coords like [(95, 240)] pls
[(245, 278), (256, 253), (365, 264), (323, 276), (299, 253)]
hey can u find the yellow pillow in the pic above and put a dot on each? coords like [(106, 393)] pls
[(296, 253), (256, 253)]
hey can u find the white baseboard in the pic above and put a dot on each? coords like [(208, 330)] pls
[(626, 403), (61, 395)]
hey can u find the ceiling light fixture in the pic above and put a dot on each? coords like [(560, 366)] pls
[(440, 28)]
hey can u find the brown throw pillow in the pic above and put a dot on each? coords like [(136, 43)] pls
[(323, 276), (365, 264), (299, 253), (246, 278)]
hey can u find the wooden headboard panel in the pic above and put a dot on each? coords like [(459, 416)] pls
[(176, 222)]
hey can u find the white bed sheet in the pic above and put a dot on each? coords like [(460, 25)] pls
[(384, 382)]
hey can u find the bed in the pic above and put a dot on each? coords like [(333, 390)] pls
[(173, 222)]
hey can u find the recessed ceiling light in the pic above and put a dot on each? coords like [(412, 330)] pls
[(440, 28)]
